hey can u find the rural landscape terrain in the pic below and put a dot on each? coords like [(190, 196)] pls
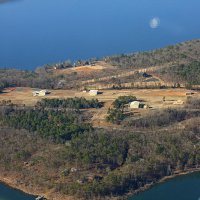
[(101, 128)]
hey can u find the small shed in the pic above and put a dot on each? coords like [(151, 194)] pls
[(135, 104), (93, 92), (138, 104), (41, 93)]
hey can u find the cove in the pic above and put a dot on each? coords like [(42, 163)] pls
[(7, 193), (185, 187)]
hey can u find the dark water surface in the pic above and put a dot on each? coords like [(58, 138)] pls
[(7, 193), (180, 188), (36, 32)]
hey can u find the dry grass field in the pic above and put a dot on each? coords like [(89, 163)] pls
[(100, 65), (153, 98)]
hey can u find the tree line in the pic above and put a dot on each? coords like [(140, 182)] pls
[(117, 114), (75, 103), (54, 124)]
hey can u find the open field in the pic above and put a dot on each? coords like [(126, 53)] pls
[(100, 65), (153, 98)]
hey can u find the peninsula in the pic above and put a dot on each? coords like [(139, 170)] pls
[(101, 128)]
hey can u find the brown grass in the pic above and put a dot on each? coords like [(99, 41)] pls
[(86, 69), (153, 98)]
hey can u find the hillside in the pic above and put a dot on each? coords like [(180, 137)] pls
[(142, 125), (52, 151), (121, 71)]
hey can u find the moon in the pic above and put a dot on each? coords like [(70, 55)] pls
[(154, 22)]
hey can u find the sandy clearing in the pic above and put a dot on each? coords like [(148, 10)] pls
[(86, 69), (151, 96)]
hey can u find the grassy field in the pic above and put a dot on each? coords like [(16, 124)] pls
[(153, 98)]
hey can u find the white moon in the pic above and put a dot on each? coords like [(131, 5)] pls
[(154, 23)]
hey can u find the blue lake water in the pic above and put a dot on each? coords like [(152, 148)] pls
[(36, 32), (180, 188), (7, 193)]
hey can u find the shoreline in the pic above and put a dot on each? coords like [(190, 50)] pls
[(49, 195), (8, 181), (162, 180)]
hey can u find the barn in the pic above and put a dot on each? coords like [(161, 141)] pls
[(137, 104), (93, 92), (41, 93)]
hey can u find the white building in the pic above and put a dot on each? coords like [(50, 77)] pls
[(138, 104), (40, 93), (93, 92), (135, 104)]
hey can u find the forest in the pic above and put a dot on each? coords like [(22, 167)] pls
[(104, 163), (183, 73), (96, 162), (186, 52), (54, 124), (74, 103)]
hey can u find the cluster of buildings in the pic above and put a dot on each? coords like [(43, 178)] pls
[(132, 105)]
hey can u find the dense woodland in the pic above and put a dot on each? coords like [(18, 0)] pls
[(54, 124), (89, 162), (74, 103), (25, 78), (104, 163), (183, 73), (181, 53)]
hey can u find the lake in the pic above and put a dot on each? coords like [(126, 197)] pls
[(180, 188), (7, 193), (37, 32)]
